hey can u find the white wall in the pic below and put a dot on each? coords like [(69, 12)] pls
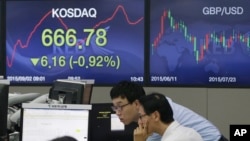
[(220, 105)]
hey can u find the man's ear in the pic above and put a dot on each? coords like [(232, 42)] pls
[(156, 116), (137, 103)]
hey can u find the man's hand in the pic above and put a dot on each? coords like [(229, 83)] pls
[(140, 133)]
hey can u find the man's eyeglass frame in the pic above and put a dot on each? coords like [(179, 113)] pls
[(119, 108)]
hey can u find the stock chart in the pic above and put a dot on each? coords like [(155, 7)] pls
[(74, 39)]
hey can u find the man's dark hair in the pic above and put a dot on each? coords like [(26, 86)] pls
[(157, 102), (126, 89)]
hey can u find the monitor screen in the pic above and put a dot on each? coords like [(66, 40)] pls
[(74, 39), (105, 125), (44, 122), (4, 95), (200, 43), (71, 92)]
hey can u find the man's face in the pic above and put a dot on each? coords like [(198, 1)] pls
[(127, 112), (145, 120)]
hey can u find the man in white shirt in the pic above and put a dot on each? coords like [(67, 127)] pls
[(125, 97), (156, 115)]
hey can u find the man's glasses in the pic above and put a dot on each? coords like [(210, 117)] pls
[(118, 108), (141, 116)]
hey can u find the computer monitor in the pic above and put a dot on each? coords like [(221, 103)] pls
[(106, 126), (199, 43), (44, 122), (72, 91), (4, 93)]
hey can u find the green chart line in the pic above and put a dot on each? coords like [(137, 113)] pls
[(198, 49)]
